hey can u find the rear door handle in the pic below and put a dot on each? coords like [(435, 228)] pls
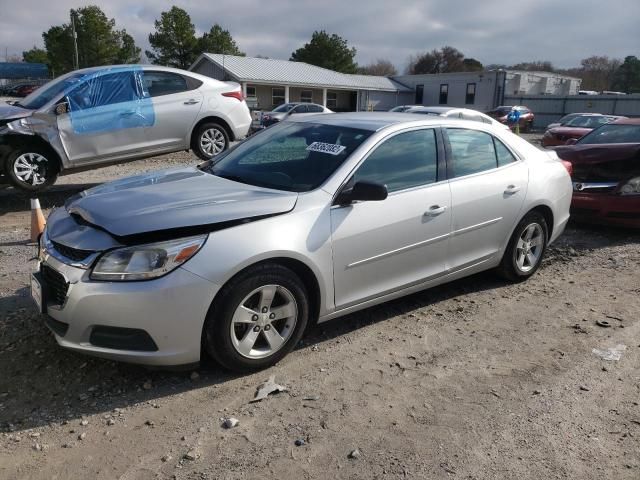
[(435, 210), (191, 101), (128, 113), (511, 189)]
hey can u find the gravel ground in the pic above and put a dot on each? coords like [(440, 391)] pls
[(477, 379)]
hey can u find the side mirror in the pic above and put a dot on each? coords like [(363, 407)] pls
[(362, 191), (62, 108), (571, 141)]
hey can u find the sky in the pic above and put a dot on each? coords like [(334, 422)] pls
[(492, 31)]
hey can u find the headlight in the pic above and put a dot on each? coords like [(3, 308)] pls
[(144, 262), (632, 187)]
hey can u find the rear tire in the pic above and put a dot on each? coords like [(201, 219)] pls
[(526, 248), (31, 169), (257, 318), (210, 140)]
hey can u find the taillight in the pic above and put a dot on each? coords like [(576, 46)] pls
[(237, 94), (568, 166)]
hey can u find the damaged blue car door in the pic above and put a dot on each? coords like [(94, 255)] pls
[(107, 113)]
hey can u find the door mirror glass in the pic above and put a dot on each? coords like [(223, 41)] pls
[(362, 191), (571, 141), (62, 108)]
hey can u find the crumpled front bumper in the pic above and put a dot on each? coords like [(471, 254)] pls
[(620, 210)]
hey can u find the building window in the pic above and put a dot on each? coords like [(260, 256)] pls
[(277, 96), (444, 94), (471, 94), (419, 94), (306, 96), (332, 99), (251, 90)]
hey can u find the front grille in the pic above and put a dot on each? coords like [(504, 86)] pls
[(55, 286), (74, 254)]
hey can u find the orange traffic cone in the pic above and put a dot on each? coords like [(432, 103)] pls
[(37, 220)]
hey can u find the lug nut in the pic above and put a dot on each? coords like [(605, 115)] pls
[(256, 328), (264, 309), (254, 318), (267, 327), (272, 316)]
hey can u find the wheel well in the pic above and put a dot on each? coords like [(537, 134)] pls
[(217, 120), (12, 142), (304, 272), (547, 214)]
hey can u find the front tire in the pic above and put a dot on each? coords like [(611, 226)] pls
[(257, 318), (526, 248), (210, 140), (30, 169)]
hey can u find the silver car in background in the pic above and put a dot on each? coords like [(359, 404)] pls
[(98, 116), (310, 220), (455, 112), (295, 109)]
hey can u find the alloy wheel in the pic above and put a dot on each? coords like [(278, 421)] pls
[(264, 321), (30, 168), (212, 142), (529, 247)]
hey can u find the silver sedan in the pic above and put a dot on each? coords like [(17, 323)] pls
[(305, 222)]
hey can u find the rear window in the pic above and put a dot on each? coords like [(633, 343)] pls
[(612, 133)]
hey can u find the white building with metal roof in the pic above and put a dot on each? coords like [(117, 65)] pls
[(268, 82)]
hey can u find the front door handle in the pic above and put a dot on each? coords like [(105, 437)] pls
[(191, 101), (511, 189), (435, 210), (127, 113)]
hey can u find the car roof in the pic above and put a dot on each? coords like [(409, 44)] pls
[(627, 121), (373, 121)]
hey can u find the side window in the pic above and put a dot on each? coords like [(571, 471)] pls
[(505, 157), (315, 109), (406, 160), (109, 89), (163, 83), (300, 109), (471, 151)]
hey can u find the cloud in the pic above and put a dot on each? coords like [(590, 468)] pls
[(492, 31)]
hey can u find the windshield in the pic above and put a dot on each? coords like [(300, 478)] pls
[(49, 91), (297, 157), (590, 121), (284, 107), (612, 133)]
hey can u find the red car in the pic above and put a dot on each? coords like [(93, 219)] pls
[(605, 166), (575, 128), (526, 116), (25, 90)]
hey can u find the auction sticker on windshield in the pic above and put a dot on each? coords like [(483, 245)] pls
[(330, 148)]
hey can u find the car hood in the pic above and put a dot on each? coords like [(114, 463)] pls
[(279, 115), (570, 130), (11, 112), (599, 153), (172, 203)]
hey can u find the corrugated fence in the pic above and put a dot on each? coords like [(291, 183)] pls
[(549, 108)]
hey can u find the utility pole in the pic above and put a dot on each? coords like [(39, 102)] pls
[(76, 63)]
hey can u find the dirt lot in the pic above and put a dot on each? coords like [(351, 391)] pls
[(478, 379)]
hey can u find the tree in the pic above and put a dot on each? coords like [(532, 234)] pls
[(35, 55), (535, 66), (627, 77), (174, 43), (380, 67), (218, 40), (472, 65), (597, 72), (327, 51), (99, 43), (445, 60)]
